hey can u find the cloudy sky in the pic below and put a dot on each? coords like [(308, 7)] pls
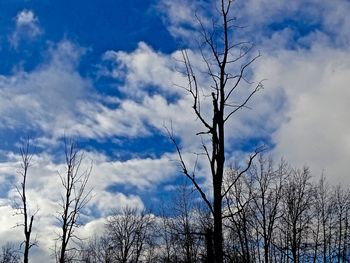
[(106, 73)]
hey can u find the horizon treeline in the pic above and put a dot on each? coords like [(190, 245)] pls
[(272, 213)]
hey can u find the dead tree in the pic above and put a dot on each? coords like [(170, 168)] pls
[(23, 209), (74, 199), (220, 54), (128, 234)]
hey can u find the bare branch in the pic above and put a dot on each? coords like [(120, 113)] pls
[(240, 76), (186, 173), (75, 199), (243, 105), (250, 161)]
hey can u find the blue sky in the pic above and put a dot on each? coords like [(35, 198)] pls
[(116, 25), (105, 73)]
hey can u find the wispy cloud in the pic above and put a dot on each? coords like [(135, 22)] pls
[(27, 27), (45, 98), (182, 17)]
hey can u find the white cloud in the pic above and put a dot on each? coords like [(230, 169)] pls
[(145, 67), (45, 97), (302, 18), (62, 102), (25, 17), (27, 27), (139, 173), (263, 18), (181, 17), (312, 127), (108, 202), (315, 128), (56, 100)]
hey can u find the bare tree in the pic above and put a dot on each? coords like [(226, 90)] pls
[(267, 188), (9, 254), (167, 248), (320, 230), (297, 199), (28, 218), (95, 250), (340, 209), (74, 199), (188, 226), (239, 218), (219, 53), (128, 234)]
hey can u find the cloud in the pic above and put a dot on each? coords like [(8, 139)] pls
[(144, 68), (261, 19), (307, 63), (303, 19), (27, 27), (45, 99), (154, 102), (181, 17), (64, 102), (315, 129), (107, 202), (54, 99)]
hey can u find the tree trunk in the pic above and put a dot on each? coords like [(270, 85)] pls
[(218, 246), (209, 245)]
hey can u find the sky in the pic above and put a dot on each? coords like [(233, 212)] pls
[(106, 73)]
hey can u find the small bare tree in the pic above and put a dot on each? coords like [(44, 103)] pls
[(9, 254), (188, 226), (341, 209), (320, 232), (239, 218), (28, 218), (128, 233), (297, 203), (268, 190), (95, 249), (75, 197)]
